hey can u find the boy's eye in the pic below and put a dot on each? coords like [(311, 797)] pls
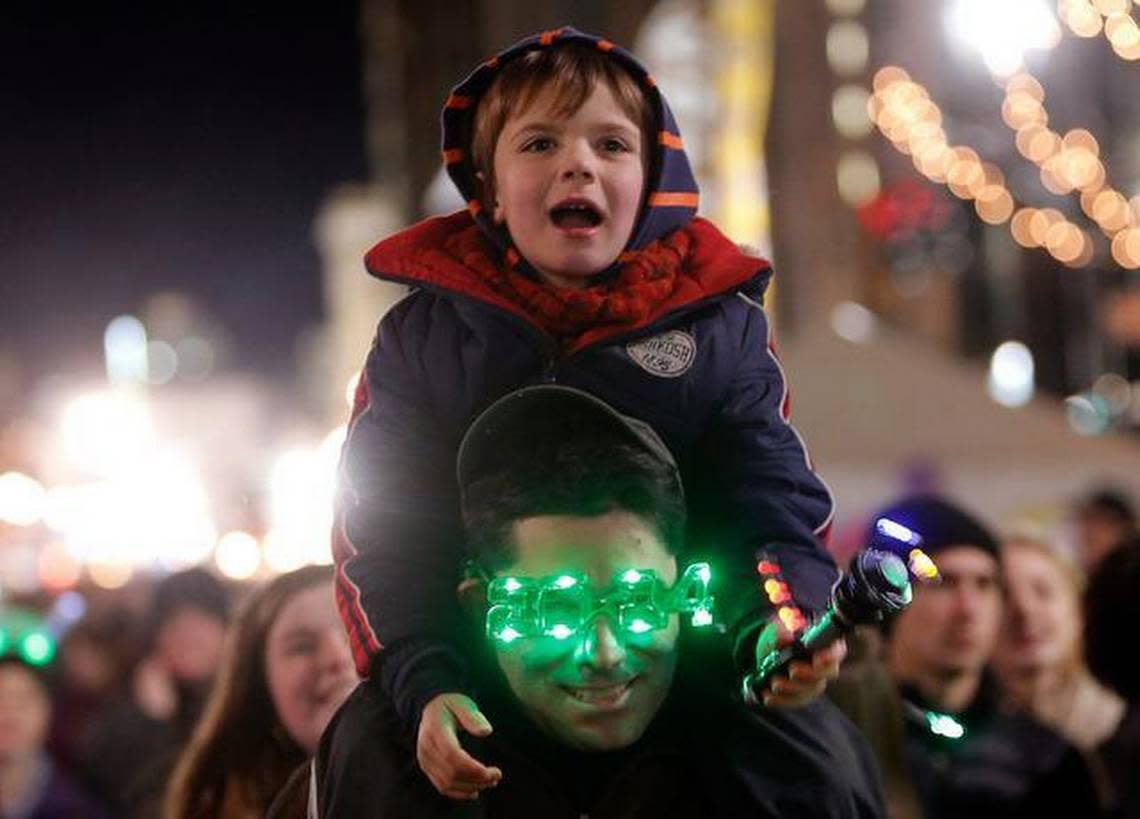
[(614, 145), (538, 144)]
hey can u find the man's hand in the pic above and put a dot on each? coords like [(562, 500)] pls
[(805, 679), (453, 771)]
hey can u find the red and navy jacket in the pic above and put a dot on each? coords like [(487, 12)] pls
[(700, 367)]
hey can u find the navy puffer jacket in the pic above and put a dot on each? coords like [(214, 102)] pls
[(700, 368)]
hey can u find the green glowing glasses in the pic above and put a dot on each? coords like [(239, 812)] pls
[(561, 605)]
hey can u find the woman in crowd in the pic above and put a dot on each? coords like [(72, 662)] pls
[(287, 670), (1042, 668), (31, 785)]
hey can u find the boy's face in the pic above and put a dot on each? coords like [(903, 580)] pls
[(599, 689), (569, 188)]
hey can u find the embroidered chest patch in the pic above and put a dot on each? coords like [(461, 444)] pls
[(668, 355)]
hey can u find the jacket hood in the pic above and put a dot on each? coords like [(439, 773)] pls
[(672, 194)]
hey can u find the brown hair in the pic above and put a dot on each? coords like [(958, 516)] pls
[(240, 755), (570, 72)]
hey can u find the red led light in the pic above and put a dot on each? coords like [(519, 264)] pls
[(767, 567)]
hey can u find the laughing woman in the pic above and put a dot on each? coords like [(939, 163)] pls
[(287, 670)]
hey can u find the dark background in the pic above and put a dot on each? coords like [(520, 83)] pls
[(147, 147)]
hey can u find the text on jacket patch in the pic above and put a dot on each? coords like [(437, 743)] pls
[(668, 355)]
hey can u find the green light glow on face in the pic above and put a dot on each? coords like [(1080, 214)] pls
[(562, 605), (945, 725)]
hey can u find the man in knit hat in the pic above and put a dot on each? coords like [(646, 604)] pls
[(967, 754)]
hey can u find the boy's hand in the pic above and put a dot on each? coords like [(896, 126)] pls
[(453, 771), (805, 679)]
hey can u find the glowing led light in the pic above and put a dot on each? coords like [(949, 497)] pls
[(945, 725), (561, 631), (767, 567), (702, 617), (567, 581), (792, 618), (508, 635), (512, 585), (897, 531), (921, 565), (37, 648), (704, 573), (1011, 376), (640, 627)]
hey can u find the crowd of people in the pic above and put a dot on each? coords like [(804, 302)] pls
[(569, 629)]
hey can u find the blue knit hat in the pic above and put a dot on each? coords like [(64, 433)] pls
[(937, 522), (672, 189)]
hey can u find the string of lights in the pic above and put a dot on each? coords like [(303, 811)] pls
[(904, 113), (1068, 164), (1113, 18)]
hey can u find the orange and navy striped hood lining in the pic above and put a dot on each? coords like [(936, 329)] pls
[(673, 195)]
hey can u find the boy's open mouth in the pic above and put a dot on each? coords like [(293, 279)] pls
[(575, 215)]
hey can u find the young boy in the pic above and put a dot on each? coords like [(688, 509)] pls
[(578, 261)]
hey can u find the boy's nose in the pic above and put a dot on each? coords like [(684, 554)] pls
[(578, 163)]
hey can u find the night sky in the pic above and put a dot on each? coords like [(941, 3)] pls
[(147, 148)]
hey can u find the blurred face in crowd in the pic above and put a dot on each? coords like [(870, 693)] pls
[(308, 664), (24, 712), (1098, 533), (1043, 613), (951, 627), (598, 689), (189, 644)]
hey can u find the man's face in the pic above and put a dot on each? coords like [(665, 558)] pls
[(951, 627), (597, 690), (569, 188)]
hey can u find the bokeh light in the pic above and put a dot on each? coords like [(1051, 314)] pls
[(1011, 375)]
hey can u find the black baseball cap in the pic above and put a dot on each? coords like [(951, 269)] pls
[(546, 413)]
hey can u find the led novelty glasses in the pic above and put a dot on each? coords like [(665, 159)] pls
[(562, 605)]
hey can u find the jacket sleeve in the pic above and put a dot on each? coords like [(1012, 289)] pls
[(758, 492), (397, 538)]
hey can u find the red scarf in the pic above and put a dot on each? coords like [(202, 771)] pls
[(646, 280)]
